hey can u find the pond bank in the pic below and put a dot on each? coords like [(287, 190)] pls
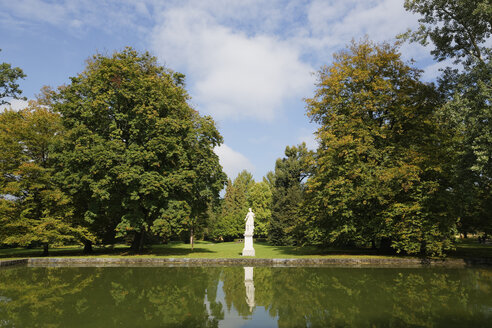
[(135, 261)]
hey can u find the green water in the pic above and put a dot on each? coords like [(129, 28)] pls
[(217, 297)]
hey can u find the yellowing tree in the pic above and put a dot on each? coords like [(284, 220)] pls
[(379, 174), (33, 210)]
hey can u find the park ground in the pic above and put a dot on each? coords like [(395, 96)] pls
[(465, 248)]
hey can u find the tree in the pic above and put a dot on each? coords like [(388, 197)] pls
[(461, 30), (260, 200), (8, 86), (458, 29), (230, 223), (35, 210), (137, 158), (285, 226), (379, 176)]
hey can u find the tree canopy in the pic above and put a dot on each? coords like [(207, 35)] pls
[(33, 209), (461, 31), (378, 175), (458, 29), (136, 158), (286, 227)]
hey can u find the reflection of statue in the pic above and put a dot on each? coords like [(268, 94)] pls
[(248, 249), (250, 222), (250, 287)]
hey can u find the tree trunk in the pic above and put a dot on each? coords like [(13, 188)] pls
[(137, 237), (45, 249), (385, 246), (141, 242), (192, 237), (87, 247)]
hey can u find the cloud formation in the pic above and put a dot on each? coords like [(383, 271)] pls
[(243, 59), (232, 161), (233, 74), (109, 16), (248, 59), (15, 104)]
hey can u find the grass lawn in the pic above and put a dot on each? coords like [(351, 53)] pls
[(204, 249), (471, 248)]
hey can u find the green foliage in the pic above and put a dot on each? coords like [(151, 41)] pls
[(33, 209), (230, 223), (468, 116), (458, 29), (8, 86), (136, 158), (286, 226), (378, 174), (260, 201)]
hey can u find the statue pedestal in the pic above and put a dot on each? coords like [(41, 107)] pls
[(248, 249)]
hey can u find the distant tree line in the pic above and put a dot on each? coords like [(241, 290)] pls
[(402, 165)]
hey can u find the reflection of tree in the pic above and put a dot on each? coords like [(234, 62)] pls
[(107, 297), (329, 297), (378, 297), (235, 295), (35, 297), (297, 297), (216, 308)]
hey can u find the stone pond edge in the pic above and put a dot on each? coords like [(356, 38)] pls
[(67, 261)]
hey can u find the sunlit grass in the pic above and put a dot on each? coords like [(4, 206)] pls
[(204, 249)]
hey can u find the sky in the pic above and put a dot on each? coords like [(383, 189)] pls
[(248, 63)]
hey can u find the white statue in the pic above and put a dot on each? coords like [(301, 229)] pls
[(248, 249), (250, 222)]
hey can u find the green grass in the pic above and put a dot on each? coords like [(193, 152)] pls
[(204, 249), (471, 248)]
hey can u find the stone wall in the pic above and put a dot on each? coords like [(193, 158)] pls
[(313, 262)]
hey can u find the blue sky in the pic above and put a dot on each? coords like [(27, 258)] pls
[(248, 63)]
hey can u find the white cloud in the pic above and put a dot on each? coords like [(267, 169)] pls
[(109, 16), (434, 70), (232, 161), (332, 24), (15, 104), (310, 140), (233, 75)]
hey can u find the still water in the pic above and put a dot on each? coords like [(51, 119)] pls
[(245, 297)]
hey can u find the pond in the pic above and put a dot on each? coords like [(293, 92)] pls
[(245, 297)]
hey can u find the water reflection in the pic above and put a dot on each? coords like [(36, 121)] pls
[(250, 287), (213, 297)]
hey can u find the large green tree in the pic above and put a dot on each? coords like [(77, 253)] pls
[(460, 31), (33, 209), (137, 158), (379, 174), (285, 226)]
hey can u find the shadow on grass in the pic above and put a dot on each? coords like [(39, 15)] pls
[(177, 251), (318, 251), (160, 250), (469, 248)]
